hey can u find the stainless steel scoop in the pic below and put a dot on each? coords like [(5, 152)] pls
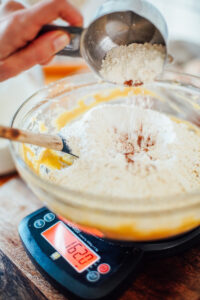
[(118, 22)]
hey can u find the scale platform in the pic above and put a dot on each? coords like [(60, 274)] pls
[(88, 266)]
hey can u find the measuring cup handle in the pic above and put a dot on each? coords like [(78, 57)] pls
[(73, 49)]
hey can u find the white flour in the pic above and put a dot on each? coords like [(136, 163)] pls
[(128, 151), (136, 63)]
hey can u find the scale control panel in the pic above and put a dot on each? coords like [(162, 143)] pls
[(68, 244), (88, 266)]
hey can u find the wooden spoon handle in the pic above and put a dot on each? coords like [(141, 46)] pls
[(53, 142)]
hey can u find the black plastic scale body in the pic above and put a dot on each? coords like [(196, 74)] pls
[(87, 266)]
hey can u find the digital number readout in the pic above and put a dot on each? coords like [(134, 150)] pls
[(75, 251)]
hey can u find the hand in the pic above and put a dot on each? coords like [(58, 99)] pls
[(19, 27)]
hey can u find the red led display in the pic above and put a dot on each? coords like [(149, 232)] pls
[(73, 249)]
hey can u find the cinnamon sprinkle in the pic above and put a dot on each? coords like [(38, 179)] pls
[(139, 83), (135, 84), (139, 140), (128, 82), (127, 156), (143, 144)]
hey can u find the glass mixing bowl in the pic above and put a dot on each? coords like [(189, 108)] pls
[(134, 219)]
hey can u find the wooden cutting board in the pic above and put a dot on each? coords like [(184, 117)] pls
[(176, 278), (19, 277)]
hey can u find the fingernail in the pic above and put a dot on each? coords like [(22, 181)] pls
[(60, 42)]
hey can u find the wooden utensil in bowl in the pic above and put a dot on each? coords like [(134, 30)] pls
[(54, 142)]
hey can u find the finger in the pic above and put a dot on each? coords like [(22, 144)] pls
[(10, 7), (23, 26), (38, 52)]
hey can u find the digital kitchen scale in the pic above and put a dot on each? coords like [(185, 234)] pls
[(89, 266)]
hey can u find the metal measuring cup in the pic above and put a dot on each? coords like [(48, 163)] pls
[(118, 22)]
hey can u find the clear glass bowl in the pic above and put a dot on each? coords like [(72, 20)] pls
[(118, 218)]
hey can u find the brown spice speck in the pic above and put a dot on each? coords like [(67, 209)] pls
[(128, 82), (127, 156), (138, 83), (139, 140)]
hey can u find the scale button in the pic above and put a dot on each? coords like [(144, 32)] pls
[(55, 255), (103, 268), (93, 276), (39, 223), (49, 217)]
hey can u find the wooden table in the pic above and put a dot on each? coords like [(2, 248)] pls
[(174, 278)]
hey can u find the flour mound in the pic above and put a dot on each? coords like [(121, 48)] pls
[(129, 151), (133, 64)]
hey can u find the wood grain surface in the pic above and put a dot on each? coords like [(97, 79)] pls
[(176, 278), (17, 201), (13, 284)]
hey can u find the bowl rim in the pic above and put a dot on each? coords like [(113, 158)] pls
[(152, 208)]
